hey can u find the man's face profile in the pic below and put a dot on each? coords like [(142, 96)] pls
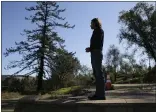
[(92, 25)]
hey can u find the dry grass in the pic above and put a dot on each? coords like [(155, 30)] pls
[(7, 110), (63, 92), (11, 95)]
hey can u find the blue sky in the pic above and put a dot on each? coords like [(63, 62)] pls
[(77, 13)]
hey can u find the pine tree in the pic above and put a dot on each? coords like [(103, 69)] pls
[(42, 43), (67, 66)]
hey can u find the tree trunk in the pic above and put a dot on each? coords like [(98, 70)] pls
[(41, 71), (115, 74), (40, 75)]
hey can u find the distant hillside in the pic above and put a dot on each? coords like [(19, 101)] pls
[(3, 77)]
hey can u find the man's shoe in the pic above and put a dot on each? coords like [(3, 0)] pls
[(94, 97)]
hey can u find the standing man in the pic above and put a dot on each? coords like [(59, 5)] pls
[(96, 47)]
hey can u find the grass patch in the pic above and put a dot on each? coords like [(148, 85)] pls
[(8, 110), (11, 95), (64, 92)]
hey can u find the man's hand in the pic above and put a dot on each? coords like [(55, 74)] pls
[(88, 49)]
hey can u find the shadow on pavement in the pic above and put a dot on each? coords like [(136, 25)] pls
[(8, 104)]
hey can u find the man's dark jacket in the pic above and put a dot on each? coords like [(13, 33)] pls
[(96, 41)]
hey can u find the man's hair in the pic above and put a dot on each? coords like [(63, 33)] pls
[(97, 22)]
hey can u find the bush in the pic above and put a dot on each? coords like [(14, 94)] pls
[(112, 87), (71, 83), (119, 82), (150, 76), (135, 80), (112, 78), (13, 84), (84, 80)]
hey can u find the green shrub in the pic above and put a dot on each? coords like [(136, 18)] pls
[(112, 87)]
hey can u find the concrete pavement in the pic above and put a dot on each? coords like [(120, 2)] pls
[(123, 100)]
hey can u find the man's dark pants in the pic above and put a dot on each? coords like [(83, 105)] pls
[(96, 61)]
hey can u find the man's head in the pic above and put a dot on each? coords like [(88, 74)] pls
[(95, 23)]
